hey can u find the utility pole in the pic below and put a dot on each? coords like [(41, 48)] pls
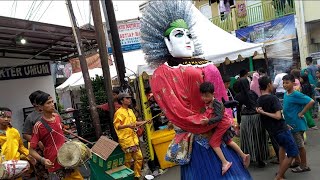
[(108, 34), (117, 51), (103, 52), (85, 72)]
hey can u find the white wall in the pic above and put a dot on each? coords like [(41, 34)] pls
[(14, 94)]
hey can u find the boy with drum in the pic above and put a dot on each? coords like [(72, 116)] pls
[(11, 145), (124, 123), (51, 139), (40, 171)]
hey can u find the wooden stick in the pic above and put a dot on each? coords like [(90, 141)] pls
[(136, 128), (82, 139)]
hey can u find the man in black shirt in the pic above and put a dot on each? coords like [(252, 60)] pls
[(270, 109)]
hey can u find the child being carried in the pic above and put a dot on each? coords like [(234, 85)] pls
[(215, 114)]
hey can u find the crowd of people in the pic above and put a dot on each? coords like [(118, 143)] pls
[(281, 111)]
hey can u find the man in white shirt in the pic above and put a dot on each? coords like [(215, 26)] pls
[(278, 85)]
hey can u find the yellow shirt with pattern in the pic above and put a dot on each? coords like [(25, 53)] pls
[(127, 137), (11, 144)]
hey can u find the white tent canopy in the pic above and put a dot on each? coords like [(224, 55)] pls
[(75, 81), (219, 45)]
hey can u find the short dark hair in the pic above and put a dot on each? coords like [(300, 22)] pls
[(288, 77), (5, 109), (261, 70), (264, 81), (309, 59), (296, 73), (207, 87), (42, 98), (243, 72), (226, 79), (32, 96)]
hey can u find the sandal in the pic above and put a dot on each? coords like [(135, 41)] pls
[(300, 170), (246, 161), (294, 165), (226, 168)]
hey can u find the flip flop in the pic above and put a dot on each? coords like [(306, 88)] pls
[(226, 168), (300, 170), (246, 161), (294, 165)]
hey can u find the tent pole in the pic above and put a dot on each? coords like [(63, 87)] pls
[(103, 52), (85, 72), (251, 63)]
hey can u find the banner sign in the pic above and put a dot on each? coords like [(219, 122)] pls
[(279, 29), (129, 33), (26, 71)]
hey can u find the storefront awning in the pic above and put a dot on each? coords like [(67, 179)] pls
[(43, 41)]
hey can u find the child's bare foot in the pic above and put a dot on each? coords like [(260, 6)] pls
[(226, 167), (246, 160)]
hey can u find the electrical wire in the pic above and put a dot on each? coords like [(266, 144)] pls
[(45, 10), (15, 9), (37, 9), (12, 7), (80, 12), (30, 9)]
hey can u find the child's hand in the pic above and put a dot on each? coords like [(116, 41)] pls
[(204, 121), (300, 115), (47, 163), (259, 110)]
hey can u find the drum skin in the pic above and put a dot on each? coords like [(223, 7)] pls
[(13, 169), (73, 154)]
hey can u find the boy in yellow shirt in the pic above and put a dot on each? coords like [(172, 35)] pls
[(10, 140), (124, 123)]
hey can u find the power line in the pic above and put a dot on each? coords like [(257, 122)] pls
[(45, 10), (80, 13), (37, 9), (15, 9), (30, 9), (12, 7)]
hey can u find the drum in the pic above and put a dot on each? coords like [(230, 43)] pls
[(13, 169), (73, 154)]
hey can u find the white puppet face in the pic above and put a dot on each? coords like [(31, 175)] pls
[(180, 43)]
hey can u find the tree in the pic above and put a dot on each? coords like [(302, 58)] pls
[(87, 128)]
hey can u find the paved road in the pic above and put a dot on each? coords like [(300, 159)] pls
[(267, 173)]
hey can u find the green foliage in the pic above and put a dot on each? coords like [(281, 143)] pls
[(59, 106), (100, 94)]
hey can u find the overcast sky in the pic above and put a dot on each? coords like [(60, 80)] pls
[(55, 12)]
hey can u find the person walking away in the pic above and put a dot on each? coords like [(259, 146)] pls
[(312, 69), (40, 171), (278, 85), (295, 105), (269, 107), (52, 140), (124, 123), (253, 137), (215, 114), (307, 89)]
